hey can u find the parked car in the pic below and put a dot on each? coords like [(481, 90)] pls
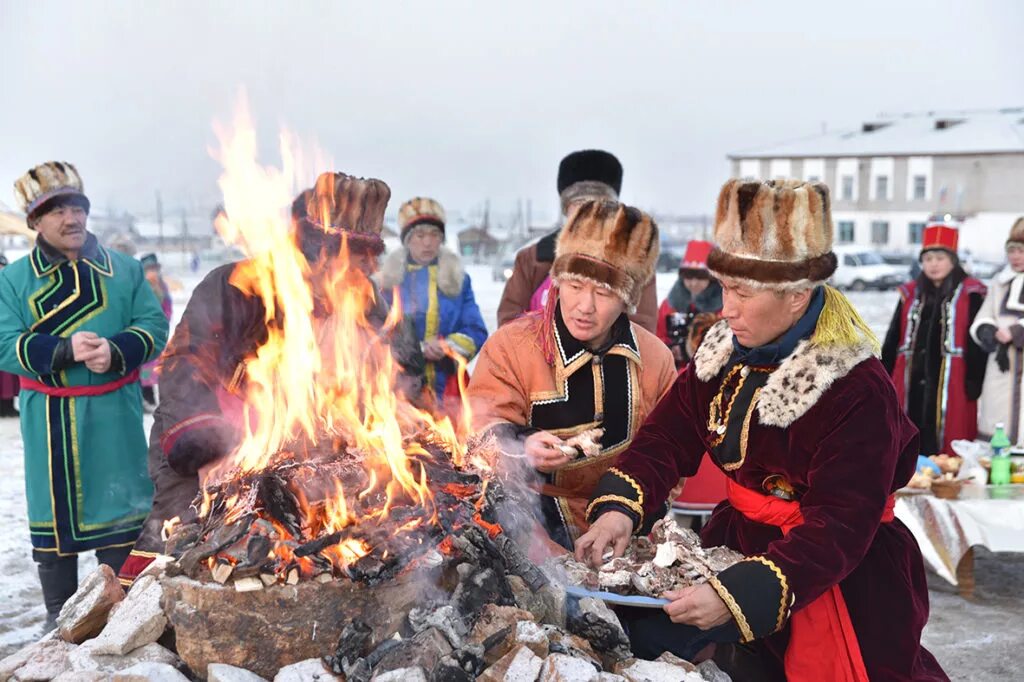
[(668, 261), (982, 269), (861, 268), (905, 262)]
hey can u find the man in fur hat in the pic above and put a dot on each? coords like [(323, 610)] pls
[(201, 380), (582, 175), (543, 383), (436, 296), (76, 323), (788, 397)]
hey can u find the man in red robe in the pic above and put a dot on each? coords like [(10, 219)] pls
[(789, 398)]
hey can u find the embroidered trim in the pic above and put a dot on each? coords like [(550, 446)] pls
[(630, 480), (632, 504), (782, 581), (746, 635), (745, 433)]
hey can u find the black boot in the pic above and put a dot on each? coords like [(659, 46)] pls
[(7, 408), (59, 579)]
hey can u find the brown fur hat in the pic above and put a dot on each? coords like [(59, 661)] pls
[(775, 234), (608, 243), (48, 181), (1016, 237), (343, 204), (420, 211)]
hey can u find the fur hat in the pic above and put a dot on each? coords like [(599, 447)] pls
[(589, 174), (1016, 237), (939, 237), (608, 243), (695, 260), (419, 211), (342, 205), (48, 181), (775, 234)]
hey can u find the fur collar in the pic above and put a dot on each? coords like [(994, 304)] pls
[(798, 383), (450, 272)]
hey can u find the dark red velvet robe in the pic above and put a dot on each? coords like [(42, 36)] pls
[(825, 425)]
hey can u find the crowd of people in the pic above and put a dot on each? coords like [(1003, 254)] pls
[(752, 360)]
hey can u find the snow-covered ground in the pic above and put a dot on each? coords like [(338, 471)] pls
[(974, 640)]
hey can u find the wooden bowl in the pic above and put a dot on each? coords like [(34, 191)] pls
[(946, 490)]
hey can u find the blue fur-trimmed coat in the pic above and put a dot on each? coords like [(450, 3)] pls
[(438, 299), (85, 456)]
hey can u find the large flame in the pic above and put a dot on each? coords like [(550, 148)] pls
[(324, 376)]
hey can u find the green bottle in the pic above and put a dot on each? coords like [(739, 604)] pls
[(1000, 444)]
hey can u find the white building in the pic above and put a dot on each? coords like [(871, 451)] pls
[(892, 175)]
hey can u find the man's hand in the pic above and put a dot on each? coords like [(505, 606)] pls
[(98, 359), (433, 350), (1003, 335), (543, 453), (697, 605), (83, 344), (611, 529)]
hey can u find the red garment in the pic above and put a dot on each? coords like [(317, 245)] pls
[(956, 415), (79, 391), (822, 642)]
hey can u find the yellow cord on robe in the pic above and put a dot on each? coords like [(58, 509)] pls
[(841, 325)]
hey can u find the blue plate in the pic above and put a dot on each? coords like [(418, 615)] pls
[(621, 599)]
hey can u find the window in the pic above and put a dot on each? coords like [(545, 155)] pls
[(813, 178), (882, 187), (920, 186), (849, 260), (879, 232), (845, 231), (914, 232), (847, 188)]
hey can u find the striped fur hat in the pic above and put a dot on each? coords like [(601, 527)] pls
[(48, 181), (775, 234)]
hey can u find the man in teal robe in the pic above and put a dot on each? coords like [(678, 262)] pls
[(76, 323)]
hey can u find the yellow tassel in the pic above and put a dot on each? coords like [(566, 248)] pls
[(841, 325)]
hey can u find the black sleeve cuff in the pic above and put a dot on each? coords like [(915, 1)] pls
[(617, 487), (986, 334), (757, 594), (64, 356)]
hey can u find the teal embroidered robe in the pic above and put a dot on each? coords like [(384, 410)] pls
[(85, 457)]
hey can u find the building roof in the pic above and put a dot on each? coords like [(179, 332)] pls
[(930, 133)]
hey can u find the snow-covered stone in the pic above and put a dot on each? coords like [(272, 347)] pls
[(532, 635), (135, 622), (402, 675), (658, 671), (85, 613), (149, 672), (562, 668), (84, 658), (82, 676), (712, 673), (310, 670), (518, 665), (221, 672), (609, 677), (46, 660)]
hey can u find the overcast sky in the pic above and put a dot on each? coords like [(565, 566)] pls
[(466, 101)]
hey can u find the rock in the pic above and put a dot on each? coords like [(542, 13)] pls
[(82, 676), (526, 599), (310, 670), (83, 658), (402, 675), (424, 650), (446, 619), (219, 672), (149, 672), (598, 624), (46, 660), (609, 677), (85, 614), (554, 598), (562, 668), (712, 673), (562, 642), (20, 657), (135, 622), (157, 567), (639, 670), (494, 618), (518, 665), (531, 635), (669, 657)]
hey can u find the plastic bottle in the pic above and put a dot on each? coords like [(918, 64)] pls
[(1000, 445)]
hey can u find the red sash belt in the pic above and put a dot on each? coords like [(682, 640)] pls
[(79, 391), (822, 642)]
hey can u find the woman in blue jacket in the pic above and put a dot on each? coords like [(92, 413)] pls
[(434, 292)]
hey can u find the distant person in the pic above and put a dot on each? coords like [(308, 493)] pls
[(436, 295), (150, 370), (583, 175), (999, 330), (76, 323), (694, 292), (8, 382), (122, 243), (936, 366)]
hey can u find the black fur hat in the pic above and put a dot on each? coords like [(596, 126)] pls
[(590, 165)]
